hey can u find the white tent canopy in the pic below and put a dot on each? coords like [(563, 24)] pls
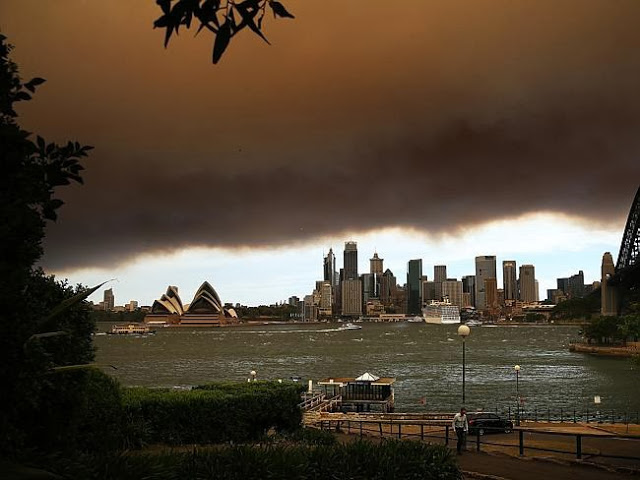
[(367, 377)]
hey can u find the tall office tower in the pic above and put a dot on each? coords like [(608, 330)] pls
[(375, 265), (350, 261), (485, 268), (366, 280), (309, 309), (109, 300), (387, 287), (326, 299), (609, 293), (330, 268), (563, 284), (452, 289), (439, 276), (466, 300), (576, 285), (469, 286), (537, 291), (414, 280), (490, 293), (509, 280), (375, 268), (439, 273), (428, 292), (527, 282), (352, 297)]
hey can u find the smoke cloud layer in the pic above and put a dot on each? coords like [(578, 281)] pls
[(436, 116)]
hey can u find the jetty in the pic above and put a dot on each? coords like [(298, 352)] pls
[(361, 394)]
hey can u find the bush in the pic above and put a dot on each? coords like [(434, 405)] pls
[(213, 413), (78, 410), (359, 460)]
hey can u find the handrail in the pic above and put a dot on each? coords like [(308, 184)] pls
[(391, 427)]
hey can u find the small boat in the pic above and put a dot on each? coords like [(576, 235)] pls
[(473, 323), (349, 326), (415, 319)]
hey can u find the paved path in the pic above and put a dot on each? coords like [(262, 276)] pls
[(493, 466)]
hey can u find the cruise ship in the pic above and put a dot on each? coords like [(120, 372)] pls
[(441, 313)]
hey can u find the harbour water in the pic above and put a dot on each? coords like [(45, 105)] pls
[(425, 359)]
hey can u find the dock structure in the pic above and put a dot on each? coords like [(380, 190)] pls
[(365, 393)]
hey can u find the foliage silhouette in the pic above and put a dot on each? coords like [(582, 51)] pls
[(32, 171), (217, 16)]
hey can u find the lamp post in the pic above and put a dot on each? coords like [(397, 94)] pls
[(253, 375), (464, 332), (517, 369)]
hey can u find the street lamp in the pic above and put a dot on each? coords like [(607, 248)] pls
[(253, 375), (517, 369), (464, 332)]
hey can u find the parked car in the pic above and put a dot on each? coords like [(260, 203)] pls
[(481, 423)]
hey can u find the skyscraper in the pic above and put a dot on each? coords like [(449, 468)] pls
[(387, 287), (376, 269), (485, 268), (109, 300), (375, 264), (509, 280), (352, 297), (350, 261), (439, 273), (414, 283), (439, 276), (527, 283), (469, 286), (452, 289), (330, 268), (490, 293)]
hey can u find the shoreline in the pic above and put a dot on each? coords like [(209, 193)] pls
[(608, 351)]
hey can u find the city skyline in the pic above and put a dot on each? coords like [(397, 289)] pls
[(253, 279)]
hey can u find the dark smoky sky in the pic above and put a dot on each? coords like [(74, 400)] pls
[(434, 115)]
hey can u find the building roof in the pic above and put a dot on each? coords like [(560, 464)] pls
[(343, 381)]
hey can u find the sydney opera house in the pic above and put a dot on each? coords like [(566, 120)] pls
[(205, 310)]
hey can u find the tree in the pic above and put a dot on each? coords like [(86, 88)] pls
[(32, 341), (223, 18)]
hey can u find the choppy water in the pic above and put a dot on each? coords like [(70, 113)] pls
[(425, 359)]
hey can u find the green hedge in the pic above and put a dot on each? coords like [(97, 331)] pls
[(213, 413), (358, 460)]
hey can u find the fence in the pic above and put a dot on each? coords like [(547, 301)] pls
[(577, 443), (546, 414)]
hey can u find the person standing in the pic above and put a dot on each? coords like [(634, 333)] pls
[(461, 426)]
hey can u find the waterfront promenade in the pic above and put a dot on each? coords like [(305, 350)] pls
[(549, 450)]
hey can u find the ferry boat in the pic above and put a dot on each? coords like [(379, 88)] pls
[(131, 329), (441, 313)]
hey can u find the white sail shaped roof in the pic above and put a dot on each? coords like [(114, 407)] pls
[(367, 377)]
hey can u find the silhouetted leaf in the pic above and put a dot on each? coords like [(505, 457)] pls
[(33, 83), (165, 5), (22, 96), (279, 10), (248, 10), (222, 41)]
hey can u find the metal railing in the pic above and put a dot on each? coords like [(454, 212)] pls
[(441, 431)]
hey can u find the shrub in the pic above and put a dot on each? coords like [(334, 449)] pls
[(359, 460), (213, 413)]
